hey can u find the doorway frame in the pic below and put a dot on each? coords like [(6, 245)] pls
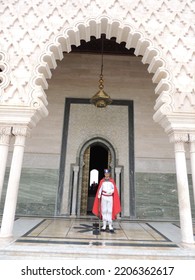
[(131, 156), (94, 140)]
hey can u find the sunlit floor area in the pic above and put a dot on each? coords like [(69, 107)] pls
[(67, 238)]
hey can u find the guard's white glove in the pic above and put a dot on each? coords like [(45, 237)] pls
[(99, 195)]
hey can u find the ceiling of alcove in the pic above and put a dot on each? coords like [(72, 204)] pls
[(110, 46), (73, 68)]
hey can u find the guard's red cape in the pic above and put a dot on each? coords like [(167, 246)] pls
[(116, 202)]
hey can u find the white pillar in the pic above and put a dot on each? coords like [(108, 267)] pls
[(192, 157), (118, 184), (5, 133), (183, 194), (74, 194), (13, 182)]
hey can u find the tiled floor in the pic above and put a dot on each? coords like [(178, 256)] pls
[(51, 238)]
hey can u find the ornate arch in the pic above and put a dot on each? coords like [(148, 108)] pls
[(99, 140), (124, 33), (83, 161)]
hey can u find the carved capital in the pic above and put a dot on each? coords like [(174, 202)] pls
[(76, 168), (5, 130), (20, 134), (118, 170), (20, 131), (191, 137), (192, 142), (179, 147), (5, 133), (179, 137)]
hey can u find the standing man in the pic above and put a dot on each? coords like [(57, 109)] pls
[(107, 202)]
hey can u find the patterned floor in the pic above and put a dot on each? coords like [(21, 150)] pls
[(81, 238), (78, 232)]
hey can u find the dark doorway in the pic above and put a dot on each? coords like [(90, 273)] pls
[(99, 158)]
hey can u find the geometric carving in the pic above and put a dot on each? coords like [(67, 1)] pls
[(184, 80), (4, 70), (34, 34), (181, 51), (143, 46), (134, 39)]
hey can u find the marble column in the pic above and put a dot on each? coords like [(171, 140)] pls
[(75, 189), (183, 190), (192, 158), (118, 183), (5, 133), (13, 182)]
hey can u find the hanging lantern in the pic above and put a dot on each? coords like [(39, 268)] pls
[(101, 99)]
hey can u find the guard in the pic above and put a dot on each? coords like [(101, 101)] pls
[(107, 201)]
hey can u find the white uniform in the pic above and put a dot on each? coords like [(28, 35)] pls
[(106, 193)]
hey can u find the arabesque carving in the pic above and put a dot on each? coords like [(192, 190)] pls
[(35, 34)]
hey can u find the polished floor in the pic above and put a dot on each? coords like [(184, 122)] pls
[(66, 238)]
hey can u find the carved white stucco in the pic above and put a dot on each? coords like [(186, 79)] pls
[(35, 34)]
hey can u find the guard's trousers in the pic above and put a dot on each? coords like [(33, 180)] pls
[(106, 205)]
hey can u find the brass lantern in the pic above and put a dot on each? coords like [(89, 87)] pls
[(101, 99)]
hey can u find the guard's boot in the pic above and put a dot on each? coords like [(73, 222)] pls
[(111, 227), (104, 226)]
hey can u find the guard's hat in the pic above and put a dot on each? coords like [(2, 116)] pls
[(106, 171)]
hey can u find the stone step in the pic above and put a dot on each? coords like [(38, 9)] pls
[(136, 253)]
